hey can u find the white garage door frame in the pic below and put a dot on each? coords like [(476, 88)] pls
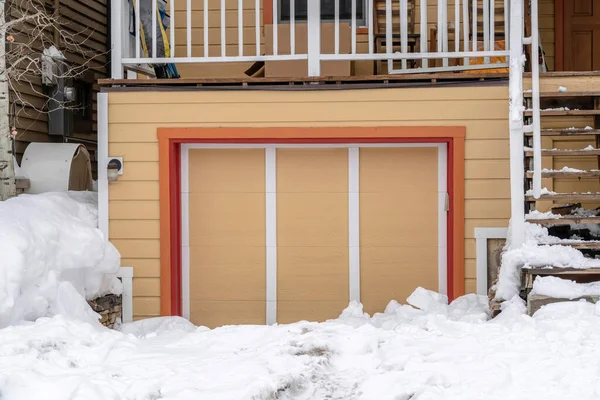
[(271, 215)]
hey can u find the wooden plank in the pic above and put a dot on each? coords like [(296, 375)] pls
[(592, 93), (565, 220), (529, 113), (566, 197), (563, 174), (568, 153), (566, 132), (561, 271)]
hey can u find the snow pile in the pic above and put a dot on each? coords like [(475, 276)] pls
[(563, 288), (53, 257), (403, 353), (539, 250)]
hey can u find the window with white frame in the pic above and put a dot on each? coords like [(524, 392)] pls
[(327, 10)]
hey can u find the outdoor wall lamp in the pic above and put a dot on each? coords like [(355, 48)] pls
[(114, 169)]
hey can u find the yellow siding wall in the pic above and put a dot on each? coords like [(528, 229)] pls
[(134, 118)]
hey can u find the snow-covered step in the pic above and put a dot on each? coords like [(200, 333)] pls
[(566, 173), (588, 130), (577, 244), (574, 197), (560, 112), (565, 220), (565, 152), (565, 93), (537, 301)]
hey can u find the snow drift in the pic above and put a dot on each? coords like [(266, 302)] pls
[(53, 257)]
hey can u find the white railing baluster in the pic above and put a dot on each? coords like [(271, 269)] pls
[(404, 30), (388, 33), (223, 27), (493, 24), (257, 26), (314, 37), (535, 87), (353, 5), (188, 28), (172, 28), (466, 30), (292, 27), (424, 32), (154, 5), (206, 42), (275, 27), (370, 15), (474, 26), (457, 25), (486, 29), (336, 17), (241, 27), (517, 164), (138, 26), (116, 33), (440, 30), (506, 19), (445, 31)]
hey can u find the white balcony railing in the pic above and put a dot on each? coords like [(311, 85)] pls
[(427, 35)]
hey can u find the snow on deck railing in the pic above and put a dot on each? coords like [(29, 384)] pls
[(236, 31)]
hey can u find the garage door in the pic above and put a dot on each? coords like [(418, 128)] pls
[(287, 233)]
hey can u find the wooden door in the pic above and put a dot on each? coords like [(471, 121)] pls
[(581, 35)]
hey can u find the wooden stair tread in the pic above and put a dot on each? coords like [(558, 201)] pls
[(565, 220), (564, 94), (576, 197), (552, 113), (566, 174), (561, 271), (566, 132), (559, 152), (579, 244)]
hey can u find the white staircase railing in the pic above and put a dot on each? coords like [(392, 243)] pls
[(517, 128)]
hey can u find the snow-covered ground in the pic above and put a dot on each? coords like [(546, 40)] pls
[(444, 353)]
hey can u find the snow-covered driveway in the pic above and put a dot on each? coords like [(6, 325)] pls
[(444, 353)]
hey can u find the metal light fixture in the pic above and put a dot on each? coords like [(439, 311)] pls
[(112, 169)]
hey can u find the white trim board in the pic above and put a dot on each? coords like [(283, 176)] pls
[(271, 216), (481, 238), (102, 159)]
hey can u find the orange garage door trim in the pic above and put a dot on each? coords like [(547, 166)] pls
[(170, 145)]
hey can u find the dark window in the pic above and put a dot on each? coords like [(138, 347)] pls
[(327, 10)]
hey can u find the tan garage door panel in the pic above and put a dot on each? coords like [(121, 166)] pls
[(398, 223), (312, 233), (227, 236)]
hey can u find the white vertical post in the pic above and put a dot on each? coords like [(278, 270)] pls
[(474, 25), (493, 25), (241, 27), (457, 26), (116, 67), (370, 15), (517, 183), (185, 231), (486, 29), (535, 86), (292, 27), (336, 26), (353, 224), (314, 37), (188, 27), (404, 30), (102, 156), (445, 31), (271, 233), (506, 24), (424, 32), (206, 42), (223, 26), (137, 26), (466, 29), (353, 5), (275, 27), (389, 44), (257, 26), (126, 275), (440, 21), (154, 5), (171, 28)]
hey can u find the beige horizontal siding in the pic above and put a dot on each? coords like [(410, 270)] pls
[(135, 116)]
